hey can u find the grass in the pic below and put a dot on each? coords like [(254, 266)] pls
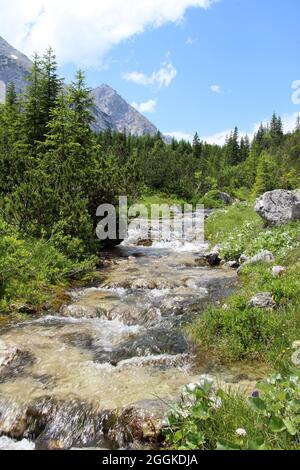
[(236, 332)]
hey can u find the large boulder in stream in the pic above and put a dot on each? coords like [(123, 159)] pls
[(279, 207)]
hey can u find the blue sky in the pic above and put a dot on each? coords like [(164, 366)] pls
[(187, 68)]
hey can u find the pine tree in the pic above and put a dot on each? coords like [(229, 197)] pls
[(50, 85), (244, 148), (297, 127), (33, 116), (233, 148), (276, 130), (197, 146)]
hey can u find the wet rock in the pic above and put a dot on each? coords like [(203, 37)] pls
[(278, 271), (78, 340), (7, 354), (64, 424), (144, 284), (14, 420), (279, 207), (141, 422), (59, 424), (79, 311), (263, 300), (213, 259), (144, 242), (154, 342), (201, 261), (232, 264), (13, 362)]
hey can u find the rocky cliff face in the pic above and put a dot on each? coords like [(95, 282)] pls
[(123, 117), (111, 110), (13, 68)]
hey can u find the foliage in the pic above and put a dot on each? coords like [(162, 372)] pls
[(210, 419), (29, 267)]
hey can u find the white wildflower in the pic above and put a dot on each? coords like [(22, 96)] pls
[(240, 432), (204, 379), (191, 388)]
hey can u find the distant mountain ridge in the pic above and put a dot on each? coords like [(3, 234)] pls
[(111, 111)]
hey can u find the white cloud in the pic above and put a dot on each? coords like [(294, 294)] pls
[(84, 32), (161, 78), (146, 106), (191, 41), (215, 88), (180, 135), (219, 138)]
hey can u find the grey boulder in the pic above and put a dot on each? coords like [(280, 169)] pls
[(263, 300), (279, 207)]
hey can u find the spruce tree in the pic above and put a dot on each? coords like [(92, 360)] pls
[(233, 148), (197, 146), (276, 130)]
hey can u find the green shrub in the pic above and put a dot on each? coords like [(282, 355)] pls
[(28, 268)]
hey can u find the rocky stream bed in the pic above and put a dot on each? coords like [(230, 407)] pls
[(101, 371)]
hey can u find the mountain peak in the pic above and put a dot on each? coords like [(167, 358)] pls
[(123, 116)]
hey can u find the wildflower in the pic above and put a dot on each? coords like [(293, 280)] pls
[(191, 387), (205, 379), (255, 394), (217, 402), (240, 432)]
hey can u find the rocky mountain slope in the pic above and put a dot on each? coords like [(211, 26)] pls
[(111, 110), (123, 117), (13, 67)]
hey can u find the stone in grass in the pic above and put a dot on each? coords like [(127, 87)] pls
[(243, 258), (263, 256), (263, 300), (278, 271)]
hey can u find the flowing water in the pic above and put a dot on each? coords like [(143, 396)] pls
[(118, 344)]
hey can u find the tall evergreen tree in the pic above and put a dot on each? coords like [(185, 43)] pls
[(276, 130), (297, 127), (244, 148), (197, 146), (233, 148)]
